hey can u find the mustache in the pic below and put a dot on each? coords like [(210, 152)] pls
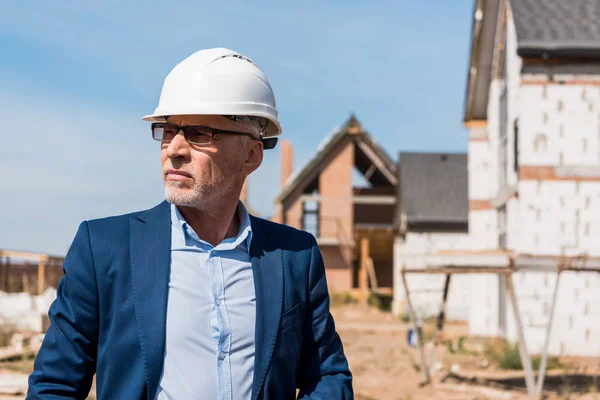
[(170, 169)]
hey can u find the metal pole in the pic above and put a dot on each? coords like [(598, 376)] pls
[(440, 323), (413, 320), (544, 362), (525, 359)]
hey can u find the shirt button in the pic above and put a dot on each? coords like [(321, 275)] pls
[(222, 355), (218, 302)]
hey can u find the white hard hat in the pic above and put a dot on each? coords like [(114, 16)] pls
[(218, 82)]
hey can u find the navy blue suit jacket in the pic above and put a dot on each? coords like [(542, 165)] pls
[(110, 312)]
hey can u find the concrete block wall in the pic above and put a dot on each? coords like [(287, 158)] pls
[(558, 127), (558, 218), (513, 83), (427, 290), (483, 177), (484, 310), (576, 326), (24, 312)]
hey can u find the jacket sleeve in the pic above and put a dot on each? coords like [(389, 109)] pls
[(66, 362), (324, 371)]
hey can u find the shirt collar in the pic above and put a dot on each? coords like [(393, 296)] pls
[(244, 236)]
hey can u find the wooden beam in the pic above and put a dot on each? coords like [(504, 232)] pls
[(25, 282), (362, 273), (5, 275), (24, 254), (453, 269), (374, 199), (370, 171), (41, 281), (375, 160), (556, 61), (475, 123), (372, 276)]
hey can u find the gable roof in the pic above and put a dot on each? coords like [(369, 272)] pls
[(351, 127), (557, 27), (434, 187)]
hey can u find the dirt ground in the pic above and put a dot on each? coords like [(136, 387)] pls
[(385, 367)]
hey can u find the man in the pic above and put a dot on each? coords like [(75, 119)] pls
[(195, 299)]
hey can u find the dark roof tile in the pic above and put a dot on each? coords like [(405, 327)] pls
[(434, 187), (557, 24)]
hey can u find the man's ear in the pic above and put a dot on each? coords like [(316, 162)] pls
[(254, 156)]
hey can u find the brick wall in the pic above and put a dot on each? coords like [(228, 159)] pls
[(335, 190)]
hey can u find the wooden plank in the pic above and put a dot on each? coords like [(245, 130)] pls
[(380, 164), (25, 282), (24, 254), (374, 199), (453, 269), (41, 281), (362, 273), (7, 275), (475, 123), (372, 276)]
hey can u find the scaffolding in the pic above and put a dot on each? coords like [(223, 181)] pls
[(502, 264)]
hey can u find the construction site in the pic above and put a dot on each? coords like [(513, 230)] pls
[(469, 275)]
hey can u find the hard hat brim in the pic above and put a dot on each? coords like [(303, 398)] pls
[(249, 109)]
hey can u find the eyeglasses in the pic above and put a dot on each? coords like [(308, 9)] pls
[(194, 134)]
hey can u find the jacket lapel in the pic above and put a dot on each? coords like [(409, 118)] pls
[(150, 243), (267, 267)]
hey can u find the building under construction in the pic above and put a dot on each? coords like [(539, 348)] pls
[(320, 198)]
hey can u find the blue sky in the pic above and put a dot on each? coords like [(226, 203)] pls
[(76, 78)]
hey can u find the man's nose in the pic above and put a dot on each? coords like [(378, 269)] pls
[(178, 147)]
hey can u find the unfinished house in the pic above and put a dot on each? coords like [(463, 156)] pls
[(432, 217), (532, 111), (344, 193)]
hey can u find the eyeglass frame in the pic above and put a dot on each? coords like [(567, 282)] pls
[(212, 134)]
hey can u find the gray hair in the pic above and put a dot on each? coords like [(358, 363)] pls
[(259, 122)]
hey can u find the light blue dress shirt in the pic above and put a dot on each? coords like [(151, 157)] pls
[(209, 348)]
